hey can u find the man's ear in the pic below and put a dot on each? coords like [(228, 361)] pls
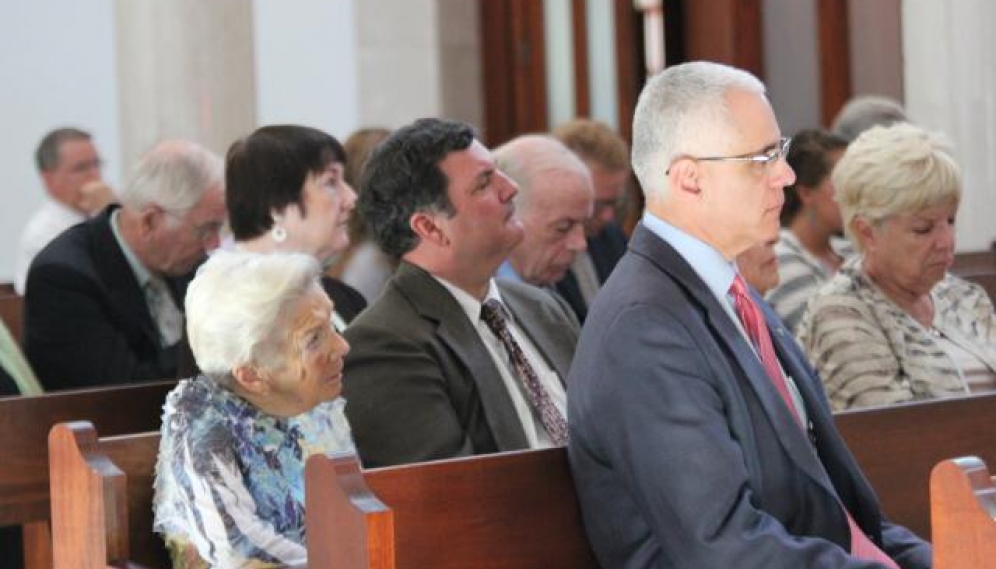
[(684, 177), (251, 380), (151, 218), (425, 226)]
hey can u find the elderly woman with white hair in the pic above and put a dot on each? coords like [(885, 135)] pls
[(229, 482), (893, 326)]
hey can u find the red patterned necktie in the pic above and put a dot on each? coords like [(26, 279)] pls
[(553, 421), (757, 329)]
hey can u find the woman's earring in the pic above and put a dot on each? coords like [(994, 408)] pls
[(278, 233)]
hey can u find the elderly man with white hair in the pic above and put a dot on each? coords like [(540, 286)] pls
[(104, 300), (555, 200), (230, 475)]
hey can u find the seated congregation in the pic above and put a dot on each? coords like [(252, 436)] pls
[(639, 408)]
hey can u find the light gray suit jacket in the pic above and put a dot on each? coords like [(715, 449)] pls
[(419, 383)]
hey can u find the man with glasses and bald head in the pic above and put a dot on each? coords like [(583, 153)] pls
[(104, 300), (698, 434)]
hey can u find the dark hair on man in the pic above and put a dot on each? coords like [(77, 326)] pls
[(809, 157), (47, 154), (266, 171), (402, 177)]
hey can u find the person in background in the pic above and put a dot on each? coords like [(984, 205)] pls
[(759, 266), (104, 300), (286, 191), (229, 487), (699, 434), (449, 361), (809, 247), (553, 203), (865, 111), (893, 326), (69, 166), (363, 265), (607, 158)]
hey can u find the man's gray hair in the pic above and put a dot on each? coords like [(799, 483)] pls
[(47, 155), (174, 175), (683, 111), (862, 113), (237, 307), (523, 157)]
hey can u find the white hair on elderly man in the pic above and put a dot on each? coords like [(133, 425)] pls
[(236, 306), (684, 112)]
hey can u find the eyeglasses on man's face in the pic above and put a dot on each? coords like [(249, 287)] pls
[(765, 157)]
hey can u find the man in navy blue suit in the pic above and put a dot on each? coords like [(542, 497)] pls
[(699, 435)]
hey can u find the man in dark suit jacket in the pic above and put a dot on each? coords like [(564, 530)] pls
[(683, 449), (605, 154), (104, 300), (426, 378)]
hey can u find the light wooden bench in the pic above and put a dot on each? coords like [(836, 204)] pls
[(963, 506)]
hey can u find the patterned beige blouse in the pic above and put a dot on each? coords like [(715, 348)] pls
[(870, 352)]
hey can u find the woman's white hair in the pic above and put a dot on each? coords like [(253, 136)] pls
[(894, 170), (236, 306), (174, 175), (683, 111)]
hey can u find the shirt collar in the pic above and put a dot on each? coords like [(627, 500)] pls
[(470, 305), (707, 262), (142, 275), (507, 271)]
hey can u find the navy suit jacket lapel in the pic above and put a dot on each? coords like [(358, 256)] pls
[(792, 438), (436, 304)]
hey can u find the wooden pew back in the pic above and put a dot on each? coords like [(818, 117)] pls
[(26, 421), (24, 484), (501, 511), (898, 446), (102, 498), (962, 506)]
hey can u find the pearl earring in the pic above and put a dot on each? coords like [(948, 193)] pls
[(278, 233)]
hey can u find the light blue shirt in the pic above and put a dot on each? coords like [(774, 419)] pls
[(507, 272), (718, 274), (708, 263)]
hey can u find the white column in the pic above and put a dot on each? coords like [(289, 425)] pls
[(185, 70), (950, 82)]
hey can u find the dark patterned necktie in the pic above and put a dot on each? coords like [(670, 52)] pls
[(553, 421), (168, 318), (757, 329)]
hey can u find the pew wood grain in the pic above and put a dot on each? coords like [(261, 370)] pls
[(963, 506), (503, 511), (898, 446)]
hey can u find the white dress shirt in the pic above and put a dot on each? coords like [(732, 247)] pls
[(48, 221)]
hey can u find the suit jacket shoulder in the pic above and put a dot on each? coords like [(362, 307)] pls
[(86, 321), (346, 300)]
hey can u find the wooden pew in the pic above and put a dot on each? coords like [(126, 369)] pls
[(962, 508), (968, 262), (102, 490), (898, 446), (25, 422), (501, 511), (102, 499)]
